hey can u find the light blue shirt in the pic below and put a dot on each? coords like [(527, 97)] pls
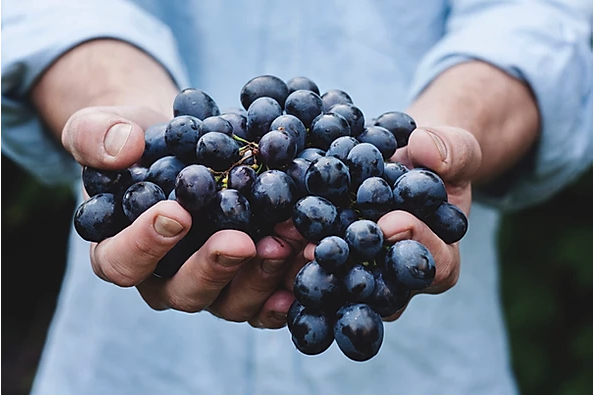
[(105, 340)]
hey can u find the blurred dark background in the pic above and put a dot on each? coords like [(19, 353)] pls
[(547, 283)]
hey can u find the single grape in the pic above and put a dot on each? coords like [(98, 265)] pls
[(139, 197), (277, 149), (230, 210), (294, 310), (305, 105), (315, 217), (216, 123), (217, 151), (99, 217), (195, 187), (328, 177), (331, 253), (239, 123), (420, 192), (359, 284), (312, 332), (311, 153), (294, 126), (164, 171), (393, 170), (410, 264), (448, 222), (352, 114), (273, 195), (340, 147), (365, 239), (400, 124), (155, 146), (358, 332), (364, 160), (194, 102), (380, 138), (388, 297), (241, 178), (263, 86), (300, 82), (138, 172), (97, 181), (181, 136), (374, 198), (316, 288), (335, 96), (346, 215), (327, 127), (297, 170), (260, 115)]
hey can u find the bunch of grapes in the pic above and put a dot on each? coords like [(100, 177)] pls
[(289, 153)]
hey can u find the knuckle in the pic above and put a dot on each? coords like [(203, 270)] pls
[(118, 275)]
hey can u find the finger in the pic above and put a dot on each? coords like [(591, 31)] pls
[(273, 313), (202, 277), (243, 297), (295, 265), (289, 233), (401, 225), (453, 153), (131, 256), (108, 137)]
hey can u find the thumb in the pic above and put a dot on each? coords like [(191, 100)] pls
[(451, 152), (108, 137)]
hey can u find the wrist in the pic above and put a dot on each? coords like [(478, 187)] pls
[(101, 72)]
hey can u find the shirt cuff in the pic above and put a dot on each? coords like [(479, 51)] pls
[(550, 50), (35, 34)]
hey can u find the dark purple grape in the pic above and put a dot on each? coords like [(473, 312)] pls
[(420, 192), (448, 222), (328, 177), (294, 127), (138, 172), (155, 146), (260, 115), (365, 239), (216, 123), (304, 104), (239, 124), (230, 210), (359, 283), (299, 83), (331, 253), (263, 86), (312, 332), (374, 198), (358, 332), (335, 96), (277, 149), (325, 128), (387, 297), (181, 136), (141, 196), (293, 311), (316, 288), (364, 160), (234, 110), (195, 187), (273, 195), (340, 147), (163, 172), (410, 264), (311, 153), (241, 178), (97, 181), (217, 151), (297, 170), (380, 138), (194, 102), (393, 170), (346, 216), (352, 114), (100, 217), (400, 124), (315, 217)]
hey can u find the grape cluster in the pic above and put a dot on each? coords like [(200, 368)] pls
[(289, 153)]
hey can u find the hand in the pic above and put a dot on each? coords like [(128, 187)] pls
[(229, 275)]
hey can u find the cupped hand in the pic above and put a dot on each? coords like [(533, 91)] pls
[(230, 275)]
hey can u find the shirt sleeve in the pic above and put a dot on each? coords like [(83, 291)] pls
[(548, 45), (34, 34)]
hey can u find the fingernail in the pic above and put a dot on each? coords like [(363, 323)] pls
[(272, 266), (438, 142), (167, 227), (230, 260), (405, 235), (116, 138), (278, 316)]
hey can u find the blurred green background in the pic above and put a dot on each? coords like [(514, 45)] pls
[(547, 283)]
